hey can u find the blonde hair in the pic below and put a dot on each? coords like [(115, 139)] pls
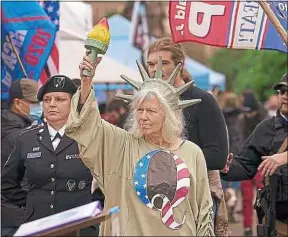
[(173, 125)]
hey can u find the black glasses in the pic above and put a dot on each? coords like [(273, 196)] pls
[(282, 91)]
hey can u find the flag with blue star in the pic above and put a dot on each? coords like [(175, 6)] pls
[(140, 177)]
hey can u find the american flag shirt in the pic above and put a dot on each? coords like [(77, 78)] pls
[(182, 181)]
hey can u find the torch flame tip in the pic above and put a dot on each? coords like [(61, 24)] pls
[(103, 21), (100, 31)]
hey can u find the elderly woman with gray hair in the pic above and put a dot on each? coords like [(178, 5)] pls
[(158, 178)]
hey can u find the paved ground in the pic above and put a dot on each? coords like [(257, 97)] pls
[(237, 228)]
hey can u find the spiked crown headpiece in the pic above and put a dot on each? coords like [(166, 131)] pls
[(166, 88)]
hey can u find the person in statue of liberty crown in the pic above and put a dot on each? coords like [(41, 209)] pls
[(158, 179)]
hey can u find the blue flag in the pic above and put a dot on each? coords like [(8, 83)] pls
[(280, 9), (32, 34)]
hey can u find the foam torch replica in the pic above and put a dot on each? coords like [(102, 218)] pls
[(98, 41)]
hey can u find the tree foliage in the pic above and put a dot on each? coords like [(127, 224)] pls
[(250, 69)]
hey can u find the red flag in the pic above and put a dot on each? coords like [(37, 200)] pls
[(231, 24)]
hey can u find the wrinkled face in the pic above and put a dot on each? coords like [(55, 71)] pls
[(56, 106), (150, 117), (283, 100), (168, 64)]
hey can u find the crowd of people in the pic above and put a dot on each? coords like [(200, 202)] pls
[(163, 154)]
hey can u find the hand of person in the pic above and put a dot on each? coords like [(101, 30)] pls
[(88, 64), (86, 81), (228, 163), (271, 163)]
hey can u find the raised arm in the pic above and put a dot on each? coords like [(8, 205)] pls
[(101, 144)]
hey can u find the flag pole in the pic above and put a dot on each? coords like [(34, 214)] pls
[(17, 56), (274, 20)]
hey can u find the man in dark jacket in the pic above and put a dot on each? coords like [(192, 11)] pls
[(264, 144), (23, 94)]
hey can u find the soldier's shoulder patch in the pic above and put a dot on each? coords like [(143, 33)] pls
[(30, 128)]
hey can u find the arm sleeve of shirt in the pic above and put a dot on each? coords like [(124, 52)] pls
[(204, 219), (12, 175), (244, 166), (213, 134), (101, 144)]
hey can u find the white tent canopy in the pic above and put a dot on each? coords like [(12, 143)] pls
[(76, 21), (108, 71)]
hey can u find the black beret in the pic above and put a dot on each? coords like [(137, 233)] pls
[(57, 83)]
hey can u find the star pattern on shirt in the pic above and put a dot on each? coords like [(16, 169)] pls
[(140, 177)]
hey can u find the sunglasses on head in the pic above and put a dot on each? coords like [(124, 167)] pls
[(282, 91)]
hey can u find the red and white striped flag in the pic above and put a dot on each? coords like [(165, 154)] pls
[(52, 9)]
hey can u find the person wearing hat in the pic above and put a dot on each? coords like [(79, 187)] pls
[(22, 101), (56, 176), (266, 151)]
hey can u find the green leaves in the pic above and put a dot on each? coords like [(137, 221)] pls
[(250, 69)]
